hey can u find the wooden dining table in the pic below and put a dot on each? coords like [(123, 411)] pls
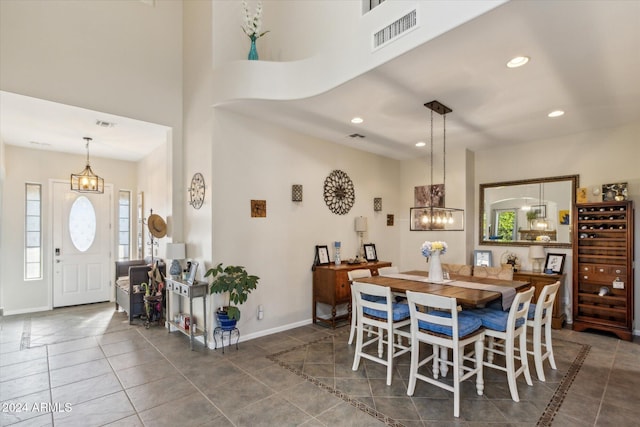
[(464, 296)]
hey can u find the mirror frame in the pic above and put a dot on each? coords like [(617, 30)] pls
[(575, 179)]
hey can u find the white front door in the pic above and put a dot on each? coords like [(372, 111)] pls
[(81, 246)]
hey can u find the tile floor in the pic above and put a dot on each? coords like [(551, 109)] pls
[(86, 366)]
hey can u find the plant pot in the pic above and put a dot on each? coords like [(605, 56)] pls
[(226, 324)]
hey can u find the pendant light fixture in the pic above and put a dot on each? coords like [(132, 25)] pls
[(87, 181), (437, 217)]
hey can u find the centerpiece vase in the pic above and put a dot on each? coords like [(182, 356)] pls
[(253, 52), (435, 268)]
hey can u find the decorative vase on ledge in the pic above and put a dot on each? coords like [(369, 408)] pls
[(253, 52)]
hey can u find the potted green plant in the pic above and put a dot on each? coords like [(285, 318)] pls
[(237, 283), (531, 215)]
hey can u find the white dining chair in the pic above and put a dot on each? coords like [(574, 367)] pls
[(502, 329), (435, 320), (386, 318), (383, 271), (352, 275), (539, 316)]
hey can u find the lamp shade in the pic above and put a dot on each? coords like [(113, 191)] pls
[(361, 224), (175, 251), (536, 252)]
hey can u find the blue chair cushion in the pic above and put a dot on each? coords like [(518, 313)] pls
[(374, 298), (494, 319), (531, 314), (400, 312), (467, 324)]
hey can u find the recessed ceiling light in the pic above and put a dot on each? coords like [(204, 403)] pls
[(556, 113), (357, 120), (420, 144), (104, 124), (518, 61)]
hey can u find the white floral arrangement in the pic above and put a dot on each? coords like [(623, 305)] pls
[(428, 248), (543, 239), (251, 25)]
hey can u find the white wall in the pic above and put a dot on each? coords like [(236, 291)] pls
[(256, 160), (600, 157), (18, 295)]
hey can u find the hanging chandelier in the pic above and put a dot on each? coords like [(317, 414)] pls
[(436, 216), (87, 181)]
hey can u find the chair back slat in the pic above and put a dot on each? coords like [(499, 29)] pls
[(546, 299), (519, 308)]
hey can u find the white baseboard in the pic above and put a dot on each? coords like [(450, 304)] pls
[(264, 333)]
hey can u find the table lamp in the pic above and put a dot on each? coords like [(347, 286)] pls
[(176, 253), (536, 253), (361, 228)]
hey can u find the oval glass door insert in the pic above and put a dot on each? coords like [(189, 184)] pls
[(82, 223)]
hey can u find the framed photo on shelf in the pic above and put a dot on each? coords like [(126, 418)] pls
[(483, 258), (554, 264), (191, 275), (370, 252), (322, 255)]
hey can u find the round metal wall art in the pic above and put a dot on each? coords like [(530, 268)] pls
[(339, 192)]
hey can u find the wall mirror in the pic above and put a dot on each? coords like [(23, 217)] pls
[(528, 212)]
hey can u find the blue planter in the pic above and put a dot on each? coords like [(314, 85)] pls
[(224, 321)]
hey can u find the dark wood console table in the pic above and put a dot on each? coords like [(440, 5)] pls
[(331, 286)]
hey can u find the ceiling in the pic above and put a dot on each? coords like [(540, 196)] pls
[(585, 60)]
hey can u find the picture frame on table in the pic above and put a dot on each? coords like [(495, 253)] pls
[(554, 264), (482, 258), (370, 252), (191, 274), (322, 255)]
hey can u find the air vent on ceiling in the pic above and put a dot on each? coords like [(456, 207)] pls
[(395, 29), (104, 124), (356, 135)]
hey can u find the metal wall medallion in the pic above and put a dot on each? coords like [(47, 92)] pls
[(339, 192)]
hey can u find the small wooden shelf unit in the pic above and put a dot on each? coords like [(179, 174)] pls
[(603, 257)]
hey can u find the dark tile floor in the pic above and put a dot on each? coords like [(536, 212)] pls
[(86, 366)]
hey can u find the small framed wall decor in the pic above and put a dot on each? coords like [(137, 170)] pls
[(322, 255), (370, 252), (554, 263)]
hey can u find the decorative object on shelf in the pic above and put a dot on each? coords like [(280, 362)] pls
[(483, 258), (191, 272), (336, 257), (360, 226), (196, 191), (251, 26), (370, 253), (296, 193), (390, 220), (322, 255), (87, 181), (258, 208), (235, 282), (176, 253), (339, 192), (432, 251), (612, 192), (377, 204), (581, 195), (432, 214), (554, 264), (536, 254), (511, 259)]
